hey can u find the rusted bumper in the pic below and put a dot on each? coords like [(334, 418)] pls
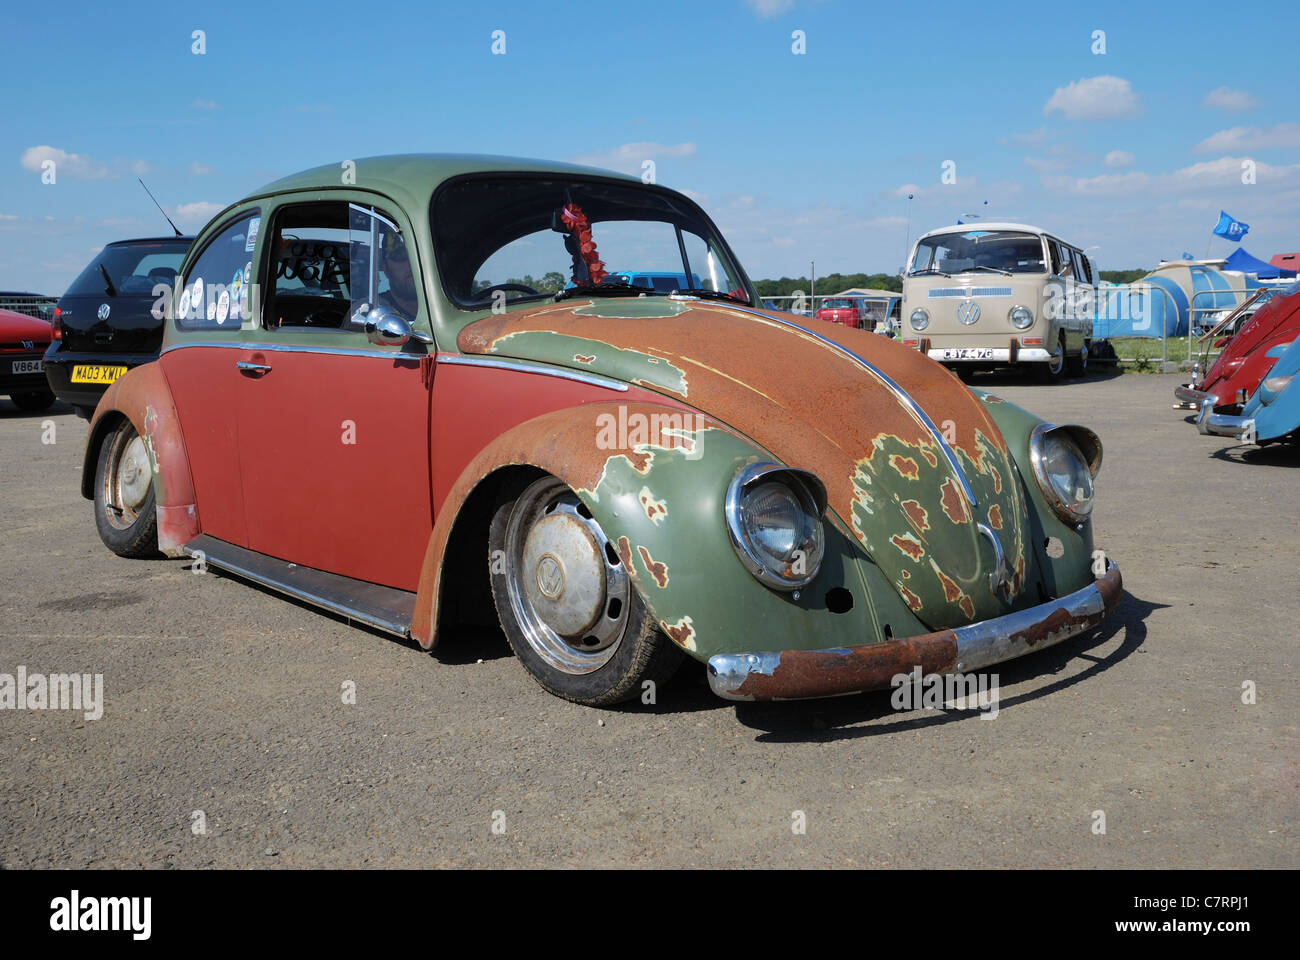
[(806, 674)]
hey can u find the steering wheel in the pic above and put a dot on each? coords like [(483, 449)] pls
[(486, 292)]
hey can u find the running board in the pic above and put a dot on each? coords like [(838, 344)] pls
[(384, 608)]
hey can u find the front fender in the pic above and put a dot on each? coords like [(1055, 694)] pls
[(142, 396), (661, 504)]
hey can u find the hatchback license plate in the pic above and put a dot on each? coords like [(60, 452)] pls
[(29, 366), (94, 373)]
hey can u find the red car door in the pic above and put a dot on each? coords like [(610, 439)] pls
[(334, 430), (200, 368)]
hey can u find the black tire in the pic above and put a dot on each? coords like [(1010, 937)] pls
[(125, 514), (1077, 366), (33, 401), (570, 665), (1053, 371)]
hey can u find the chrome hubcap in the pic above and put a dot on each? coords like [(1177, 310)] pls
[(127, 484), (568, 589)]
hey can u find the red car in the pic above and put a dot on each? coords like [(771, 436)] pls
[(843, 310), (1244, 362), (23, 340)]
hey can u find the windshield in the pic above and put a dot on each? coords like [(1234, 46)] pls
[(982, 251), (511, 238), (837, 305), (133, 269)]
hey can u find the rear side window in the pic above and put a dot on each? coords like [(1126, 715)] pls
[(216, 292), (133, 269)]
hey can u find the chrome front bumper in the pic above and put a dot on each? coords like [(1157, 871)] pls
[(992, 355), (1190, 397), (806, 674), (1221, 424)]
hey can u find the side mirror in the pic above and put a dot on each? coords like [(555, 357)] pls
[(387, 328)]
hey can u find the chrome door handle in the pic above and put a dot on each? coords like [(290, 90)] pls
[(252, 369)]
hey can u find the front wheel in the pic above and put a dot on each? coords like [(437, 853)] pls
[(566, 601), (124, 499), (1078, 365)]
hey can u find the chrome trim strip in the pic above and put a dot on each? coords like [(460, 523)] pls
[(388, 626), (293, 348), (460, 360), (901, 394)]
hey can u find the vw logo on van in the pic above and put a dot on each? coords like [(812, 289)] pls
[(103, 311), (968, 311)]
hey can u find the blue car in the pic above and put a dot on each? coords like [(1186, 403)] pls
[(1272, 413)]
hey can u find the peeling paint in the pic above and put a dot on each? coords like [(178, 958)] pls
[(905, 466), (681, 633), (909, 545), (653, 567), (954, 504), (655, 510)]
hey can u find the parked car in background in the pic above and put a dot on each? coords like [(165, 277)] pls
[(1272, 413), (841, 310), (23, 340), (32, 304), (399, 432), (1233, 377), (989, 294), (111, 318), (660, 281)]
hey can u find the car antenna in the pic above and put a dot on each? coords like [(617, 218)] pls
[(160, 209)]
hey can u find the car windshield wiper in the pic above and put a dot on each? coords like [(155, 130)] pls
[(917, 273), (712, 294), (985, 266), (108, 282), (600, 290)]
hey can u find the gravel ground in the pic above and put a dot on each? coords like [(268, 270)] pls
[(222, 709)]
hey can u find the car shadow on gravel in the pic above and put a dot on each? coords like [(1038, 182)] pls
[(847, 718), (8, 411), (1274, 455)]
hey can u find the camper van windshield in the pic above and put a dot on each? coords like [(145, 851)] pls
[(996, 251)]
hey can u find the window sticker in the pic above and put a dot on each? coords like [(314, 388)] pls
[(253, 226), (223, 306)]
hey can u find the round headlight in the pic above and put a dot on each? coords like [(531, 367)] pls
[(774, 519), (920, 318), (1064, 470), (1022, 318)]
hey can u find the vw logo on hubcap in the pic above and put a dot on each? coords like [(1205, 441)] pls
[(550, 576), (968, 311)]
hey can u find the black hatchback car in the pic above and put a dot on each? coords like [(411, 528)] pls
[(104, 324)]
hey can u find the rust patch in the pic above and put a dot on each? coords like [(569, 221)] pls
[(908, 544), (803, 674), (655, 510), (624, 550), (989, 398), (967, 607), (912, 600), (905, 466), (681, 633), (997, 479), (584, 359), (916, 515), (657, 570), (930, 457), (954, 505), (995, 517)]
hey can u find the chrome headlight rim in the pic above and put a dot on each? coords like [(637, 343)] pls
[(925, 319), (1011, 316), (806, 487), (1090, 450)]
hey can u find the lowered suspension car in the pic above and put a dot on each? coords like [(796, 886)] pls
[(363, 402)]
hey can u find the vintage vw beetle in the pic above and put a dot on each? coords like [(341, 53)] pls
[(1272, 413), (406, 390)]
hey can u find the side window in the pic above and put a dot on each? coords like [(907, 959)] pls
[(1054, 250), (216, 291), (1085, 268), (331, 262)]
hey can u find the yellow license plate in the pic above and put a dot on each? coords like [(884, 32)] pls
[(94, 373)]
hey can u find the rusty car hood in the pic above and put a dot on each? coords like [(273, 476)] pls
[(797, 394)]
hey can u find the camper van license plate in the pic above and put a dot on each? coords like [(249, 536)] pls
[(969, 353)]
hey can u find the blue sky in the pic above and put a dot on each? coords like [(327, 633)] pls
[(796, 156)]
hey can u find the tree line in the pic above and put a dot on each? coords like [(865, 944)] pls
[(835, 282)]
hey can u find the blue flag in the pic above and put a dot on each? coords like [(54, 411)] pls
[(1187, 256), (1230, 229)]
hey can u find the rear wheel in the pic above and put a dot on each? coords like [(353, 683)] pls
[(124, 499), (33, 400), (566, 601), (1078, 364)]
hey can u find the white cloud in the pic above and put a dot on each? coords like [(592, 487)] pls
[(1233, 101), (196, 214), (629, 157), (1284, 136), (205, 105), (769, 8), (1120, 158), (200, 169), (8, 216), (74, 165), (1210, 176), (140, 168), (1095, 98), (905, 189)]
